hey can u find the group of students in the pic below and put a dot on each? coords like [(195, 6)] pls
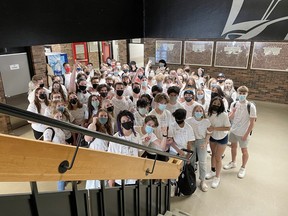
[(168, 110)]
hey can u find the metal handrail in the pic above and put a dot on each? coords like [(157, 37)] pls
[(34, 117)]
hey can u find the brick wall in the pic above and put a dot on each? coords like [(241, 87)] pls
[(122, 48), (39, 61), (264, 85)]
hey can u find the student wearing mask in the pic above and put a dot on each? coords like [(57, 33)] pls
[(125, 125), (149, 99), (243, 121), (154, 91), (217, 92), (67, 75), (93, 106), (82, 92), (173, 93), (201, 99), (136, 88), (103, 90), (189, 103), (38, 106), (133, 67), (77, 109), (37, 82), (191, 85), (57, 88), (141, 113), (221, 79), (94, 84), (127, 87), (220, 126), (229, 91), (102, 122)]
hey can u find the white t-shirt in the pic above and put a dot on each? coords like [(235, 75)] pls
[(181, 135), (174, 107), (189, 108), (152, 139), (139, 120), (83, 97), (199, 127), (205, 105), (31, 95), (222, 120), (121, 104), (125, 150), (59, 136), (80, 114), (67, 80), (164, 120), (241, 120), (127, 91), (32, 108)]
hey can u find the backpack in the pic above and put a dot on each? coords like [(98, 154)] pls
[(186, 183), (53, 133)]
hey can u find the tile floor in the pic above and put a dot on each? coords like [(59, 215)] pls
[(264, 190)]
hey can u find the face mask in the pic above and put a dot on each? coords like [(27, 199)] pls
[(41, 85), (67, 70), (179, 121), (125, 83), (110, 84), (82, 88), (95, 86), (242, 97), (140, 76), (116, 73), (149, 129), (142, 111), (119, 92), (162, 107), (215, 108), (73, 101), (87, 73), (187, 70), (173, 99), (161, 64), (154, 95), (102, 120), (42, 96), (103, 94), (213, 85), (200, 96), (61, 109), (198, 115), (119, 67), (214, 94), (144, 83), (125, 71), (136, 90), (188, 99), (95, 104), (78, 69), (110, 109), (220, 81), (127, 125)]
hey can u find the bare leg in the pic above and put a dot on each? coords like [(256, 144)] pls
[(213, 150), (218, 158), (233, 151), (245, 156)]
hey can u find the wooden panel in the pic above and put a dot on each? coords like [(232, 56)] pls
[(31, 160)]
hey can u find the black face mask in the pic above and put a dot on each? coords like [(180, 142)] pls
[(41, 85), (119, 92), (214, 94), (154, 95), (110, 109), (188, 99), (73, 101), (103, 94), (87, 73), (215, 108), (125, 83), (110, 84), (127, 125), (126, 70), (95, 86), (136, 90), (179, 121), (187, 70), (220, 81), (42, 96), (82, 88), (140, 77)]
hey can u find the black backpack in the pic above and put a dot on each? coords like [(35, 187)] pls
[(186, 183)]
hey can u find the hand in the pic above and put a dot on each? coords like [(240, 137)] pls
[(173, 73), (164, 130), (181, 153), (149, 62), (169, 141), (95, 120), (244, 138), (210, 129)]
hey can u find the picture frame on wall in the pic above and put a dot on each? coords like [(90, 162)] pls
[(170, 51), (198, 53), (232, 54), (272, 56)]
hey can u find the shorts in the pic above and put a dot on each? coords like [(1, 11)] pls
[(235, 139), (223, 141)]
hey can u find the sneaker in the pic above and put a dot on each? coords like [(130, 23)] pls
[(173, 189), (241, 173), (231, 165), (203, 186), (210, 175), (215, 182)]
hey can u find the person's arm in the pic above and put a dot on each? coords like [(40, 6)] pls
[(147, 68), (92, 127), (219, 128), (174, 73), (249, 129), (180, 152), (111, 183), (72, 85)]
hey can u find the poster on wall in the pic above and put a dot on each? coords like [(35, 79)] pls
[(170, 51), (270, 56), (56, 61), (198, 53), (232, 54)]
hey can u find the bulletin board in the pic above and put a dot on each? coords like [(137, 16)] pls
[(198, 53), (170, 51)]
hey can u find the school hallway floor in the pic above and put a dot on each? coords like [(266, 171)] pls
[(263, 191)]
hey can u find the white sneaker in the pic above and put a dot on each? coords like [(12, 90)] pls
[(210, 175), (203, 186), (215, 182), (231, 165), (241, 173), (173, 189)]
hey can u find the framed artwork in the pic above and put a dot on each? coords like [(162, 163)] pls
[(198, 53), (232, 54), (270, 56), (170, 51)]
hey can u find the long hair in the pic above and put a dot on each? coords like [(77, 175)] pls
[(221, 108), (203, 99), (70, 107), (198, 106), (90, 107), (127, 114), (106, 128), (60, 90), (37, 102), (219, 91)]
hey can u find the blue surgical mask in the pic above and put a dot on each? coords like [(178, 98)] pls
[(142, 111), (242, 97), (162, 107), (61, 109), (200, 96), (116, 73), (149, 129), (102, 120), (213, 85), (198, 115), (144, 83), (95, 104)]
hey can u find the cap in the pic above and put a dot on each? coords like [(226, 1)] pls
[(221, 75), (189, 91)]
